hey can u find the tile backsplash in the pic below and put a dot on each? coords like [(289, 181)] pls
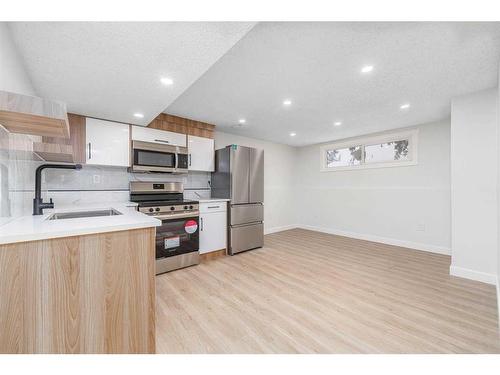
[(90, 185)]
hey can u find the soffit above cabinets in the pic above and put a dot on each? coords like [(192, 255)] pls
[(112, 70)]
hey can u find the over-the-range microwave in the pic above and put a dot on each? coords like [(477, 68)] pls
[(156, 158)]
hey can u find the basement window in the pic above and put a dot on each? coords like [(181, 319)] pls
[(396, 149)]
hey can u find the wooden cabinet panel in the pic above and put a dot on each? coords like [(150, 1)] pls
[(33, 115), (82, 294), (76, 139), (182, 125)]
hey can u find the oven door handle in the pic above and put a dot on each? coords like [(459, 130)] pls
[(176, 160), (176, 216)]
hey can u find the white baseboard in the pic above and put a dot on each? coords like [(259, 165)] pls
[(384, 240), (280, 229), (498, 298), (474, 275)]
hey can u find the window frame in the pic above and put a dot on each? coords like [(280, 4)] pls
[(410, 135)]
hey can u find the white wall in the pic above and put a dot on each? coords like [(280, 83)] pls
[(474, 178), (13, 76), (279, 202), (498, 200), (385, 204)]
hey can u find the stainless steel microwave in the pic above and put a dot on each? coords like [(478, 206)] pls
[(157, 158)]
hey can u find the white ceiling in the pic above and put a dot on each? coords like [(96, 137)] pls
[(112, 70), (224, 71), (317, 66)]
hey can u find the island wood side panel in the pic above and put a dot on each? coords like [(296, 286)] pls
[(83, 294)]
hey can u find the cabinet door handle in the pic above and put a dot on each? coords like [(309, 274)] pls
[(161, 140), (189, 159), (90, 150), (201, 224)]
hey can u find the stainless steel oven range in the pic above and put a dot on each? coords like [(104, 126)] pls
[(177, 239)]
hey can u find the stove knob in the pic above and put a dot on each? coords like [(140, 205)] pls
[(185, 207), (172, 208), (157, 209), (151, 210), (190, 207)]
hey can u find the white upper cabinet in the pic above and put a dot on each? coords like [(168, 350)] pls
[(108, 143), (201, 154), (145, 134)]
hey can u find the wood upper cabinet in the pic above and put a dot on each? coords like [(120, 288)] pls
[(201, 154), (107, 143), (33, 115), (58, 149), (145, 134)]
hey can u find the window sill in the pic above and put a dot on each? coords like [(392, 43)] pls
[(371, 166)]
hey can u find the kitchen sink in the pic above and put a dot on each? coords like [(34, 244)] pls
[(81, 214)]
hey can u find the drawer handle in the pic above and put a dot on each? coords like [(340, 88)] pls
[(161, 140), (213, 206)]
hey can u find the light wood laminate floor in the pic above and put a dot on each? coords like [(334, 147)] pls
[(309, 292)]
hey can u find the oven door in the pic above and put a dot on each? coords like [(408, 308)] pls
[(177, 236), (151, 157)]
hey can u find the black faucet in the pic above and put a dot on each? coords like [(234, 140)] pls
[(38, 204)]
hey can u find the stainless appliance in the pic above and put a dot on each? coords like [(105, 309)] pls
[(154, 157), (177, 239), (239, 176)]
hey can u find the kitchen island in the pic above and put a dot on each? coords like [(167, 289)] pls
[(83, 285)]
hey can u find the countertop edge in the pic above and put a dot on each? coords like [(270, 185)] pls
[(6, 240)]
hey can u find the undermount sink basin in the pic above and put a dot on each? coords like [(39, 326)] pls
[(81, 214)]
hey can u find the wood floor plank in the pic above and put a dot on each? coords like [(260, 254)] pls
[(310, 292)]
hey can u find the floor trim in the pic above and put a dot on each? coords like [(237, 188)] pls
[(388, 241), (498, 299), (280, 229), (473, 275)]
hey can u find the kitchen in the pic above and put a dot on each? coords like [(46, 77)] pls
[(177, 204), (169, 156)]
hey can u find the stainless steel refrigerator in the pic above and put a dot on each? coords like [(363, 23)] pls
[(239, 176)]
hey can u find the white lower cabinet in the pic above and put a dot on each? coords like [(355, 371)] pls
[(213, 226)]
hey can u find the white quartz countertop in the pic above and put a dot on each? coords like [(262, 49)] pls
[(33, 228), (208, 200)]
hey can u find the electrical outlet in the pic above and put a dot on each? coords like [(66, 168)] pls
[(421, 227), (96, 179)]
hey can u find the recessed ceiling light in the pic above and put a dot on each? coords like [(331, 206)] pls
[(138, 115), (367, 69), (167, 81), (287, 102), (293, 134), (242, 120), (405, 106), (337, 123)]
